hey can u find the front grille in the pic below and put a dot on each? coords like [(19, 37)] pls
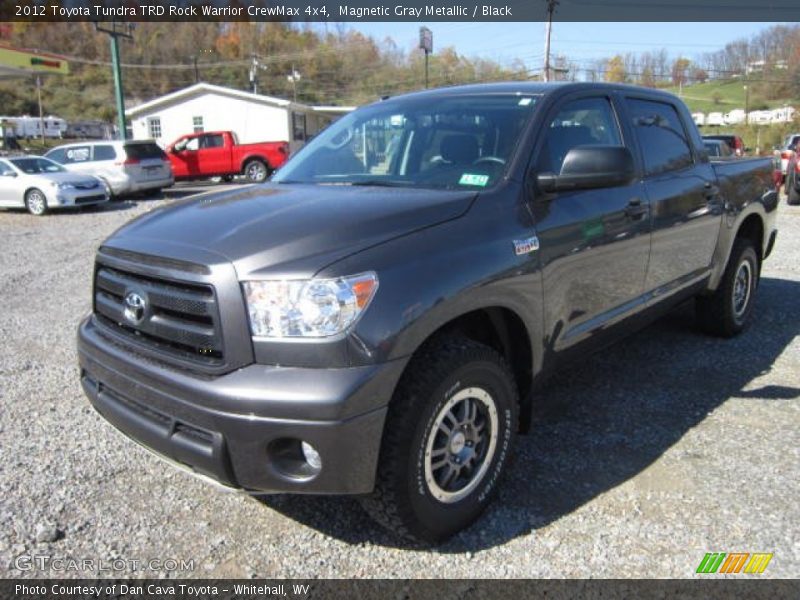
[(87, 199), (179, 319), (88, 185)]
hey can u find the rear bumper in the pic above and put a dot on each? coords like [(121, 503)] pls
[(150, 184), (130, 185), (234, 428)]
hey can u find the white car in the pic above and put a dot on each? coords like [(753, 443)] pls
[(128, 167), (39, 184)]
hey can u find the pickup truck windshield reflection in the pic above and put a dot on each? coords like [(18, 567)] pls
[(455, 143)]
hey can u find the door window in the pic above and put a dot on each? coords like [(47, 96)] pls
[(104, 152), (584, 122), (298, 126), (5, 168), (661, 136), (59, 155), (212, 141), (79, 154)]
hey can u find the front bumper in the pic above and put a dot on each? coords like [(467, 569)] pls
[(68, 198), (232, 428)]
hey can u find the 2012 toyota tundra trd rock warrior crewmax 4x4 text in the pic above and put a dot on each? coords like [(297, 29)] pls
[(375, 319)]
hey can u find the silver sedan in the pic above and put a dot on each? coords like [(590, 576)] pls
[(39, 184)]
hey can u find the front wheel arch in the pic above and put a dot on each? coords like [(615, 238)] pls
[(503, 330), (27, 199)]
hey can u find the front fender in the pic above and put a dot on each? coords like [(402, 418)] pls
[(432, 277)]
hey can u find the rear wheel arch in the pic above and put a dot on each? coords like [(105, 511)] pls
[(752, 228), (251, 158)]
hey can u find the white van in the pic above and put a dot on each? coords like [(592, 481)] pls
[(127, 167)]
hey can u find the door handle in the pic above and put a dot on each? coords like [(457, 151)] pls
[(711, 191), (635, 208)]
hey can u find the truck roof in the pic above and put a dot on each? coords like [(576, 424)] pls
[(531, 87)]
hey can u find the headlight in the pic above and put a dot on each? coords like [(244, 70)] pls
[(61, 186), (307, 308)]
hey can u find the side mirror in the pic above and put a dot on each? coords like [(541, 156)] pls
[(587, 167)]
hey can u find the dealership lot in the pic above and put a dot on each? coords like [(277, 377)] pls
[(647, 456)]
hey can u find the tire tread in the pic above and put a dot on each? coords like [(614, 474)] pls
[(387, 505)]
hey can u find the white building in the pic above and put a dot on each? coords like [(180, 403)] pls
[(735, 117), (31, 127), (699, 119), (715, 119), (253, 117), (760, 117), (785, 114)]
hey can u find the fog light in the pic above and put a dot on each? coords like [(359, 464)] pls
[(311, 455)]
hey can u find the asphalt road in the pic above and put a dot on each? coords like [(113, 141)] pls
[(670, 445)]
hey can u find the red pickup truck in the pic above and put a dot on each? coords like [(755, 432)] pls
[(219, 154)]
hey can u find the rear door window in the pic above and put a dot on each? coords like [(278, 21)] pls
[(105, 152), (78, 154), (661, 135), (212, 141)]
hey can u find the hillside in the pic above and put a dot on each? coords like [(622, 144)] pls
[(723, 96)]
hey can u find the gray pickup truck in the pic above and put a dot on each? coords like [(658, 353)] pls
[(375, 320)]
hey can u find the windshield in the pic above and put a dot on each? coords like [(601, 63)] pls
[(448, 143), (35, 166)]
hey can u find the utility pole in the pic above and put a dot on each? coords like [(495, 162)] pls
[(116, 31), (426, 44), (746, 105), (551, 7), (196, 72), (41, 110), (254, 67), (294, 78)]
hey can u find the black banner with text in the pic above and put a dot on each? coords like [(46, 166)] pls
[(398, 10)]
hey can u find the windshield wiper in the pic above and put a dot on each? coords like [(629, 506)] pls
[(377, 183)]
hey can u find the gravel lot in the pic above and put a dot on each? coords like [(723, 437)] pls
[(668, 446)]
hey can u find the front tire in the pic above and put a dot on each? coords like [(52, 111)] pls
[(727, 311), (256, 171), (446, 442), (36, 202)]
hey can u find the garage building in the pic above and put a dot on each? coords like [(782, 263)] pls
[(253, 117)]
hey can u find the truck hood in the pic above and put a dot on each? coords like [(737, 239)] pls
[(288, 229)]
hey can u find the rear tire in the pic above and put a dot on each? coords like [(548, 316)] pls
[(727, 311), (256, 171), (446, 442), (36, 202), (792, 195)]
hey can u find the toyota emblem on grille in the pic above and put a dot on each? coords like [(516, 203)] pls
[(135, 306)]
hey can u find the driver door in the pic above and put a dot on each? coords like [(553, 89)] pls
[(184, 163), (594, 243), (10, 194)]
